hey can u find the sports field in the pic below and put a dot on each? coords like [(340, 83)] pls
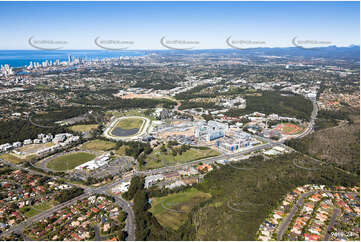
[(172, 210), (129, 123), (98, 145), (159, 159), (288, 128), (83, 127), (69, 161)]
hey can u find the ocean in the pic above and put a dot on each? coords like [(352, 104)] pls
[(20, 58)]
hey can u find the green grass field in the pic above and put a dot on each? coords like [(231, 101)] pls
[(83, 127), (11, 158), (98, 145), (30, 211), (69, 161), (159, 159), (129, 123), (172, 210)]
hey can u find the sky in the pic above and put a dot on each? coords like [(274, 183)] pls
[(204, 25)]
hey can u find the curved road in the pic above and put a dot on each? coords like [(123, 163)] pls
[(41, 126)]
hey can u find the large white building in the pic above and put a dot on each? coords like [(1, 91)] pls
[(95, 163), (123, 187), (238, 141), (149, 180), (211, 130)]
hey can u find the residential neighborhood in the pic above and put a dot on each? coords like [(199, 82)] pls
[(94, 218), (24, 195), (315, 212)]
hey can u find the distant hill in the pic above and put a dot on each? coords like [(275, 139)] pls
[(350, 52)]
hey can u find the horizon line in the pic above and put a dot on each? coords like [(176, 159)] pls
[(125, 50)]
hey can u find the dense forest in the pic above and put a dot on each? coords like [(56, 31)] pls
[(205, 105), (56, 114), (328, 118), (20, 130), (273, 102), (118, 103)]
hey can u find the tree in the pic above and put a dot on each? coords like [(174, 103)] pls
[(137, 183)]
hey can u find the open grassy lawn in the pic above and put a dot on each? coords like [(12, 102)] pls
[(98, 145), (69, 161), (172, 210), (159, 159), (129, 123), (83, 127), (30, 211), (11, 158)]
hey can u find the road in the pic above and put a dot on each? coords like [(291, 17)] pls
[(43, 215), (311, 124), (41, 126), (208, 160), (130, 221), (336, 211), (288, 219), (87, 192)]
